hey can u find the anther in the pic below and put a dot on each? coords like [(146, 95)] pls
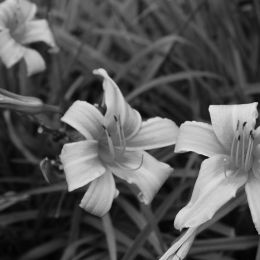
[(244, 124), (251, 134)]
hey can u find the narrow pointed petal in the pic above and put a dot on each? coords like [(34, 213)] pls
[(143, 170), (81, 163), (100, 195), (13, 13), (154, 133), (253, 195), (117, 106), (34, 62), (199, 138), (225, 120), (10, 51), (212, 190), (36, 31), (85, 118)]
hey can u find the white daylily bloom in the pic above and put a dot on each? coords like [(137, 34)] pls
[(233, 146), (114, 145), (18, 28)]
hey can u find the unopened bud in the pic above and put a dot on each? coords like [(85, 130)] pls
[(21, 103)]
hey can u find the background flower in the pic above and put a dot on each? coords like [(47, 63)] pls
[(19, 28)]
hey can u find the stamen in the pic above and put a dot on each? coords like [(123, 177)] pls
[(237, 151), (225, 167), (110, 143), (249, 151), (232, 153), (243, 144), (120, 133), (237, 125)]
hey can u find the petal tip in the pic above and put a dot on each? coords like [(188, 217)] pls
[(101, 72)]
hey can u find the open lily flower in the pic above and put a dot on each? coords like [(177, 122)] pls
[(233, 146), (18, 28), (115, 144)]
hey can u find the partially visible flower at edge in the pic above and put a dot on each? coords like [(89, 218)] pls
[(233, 146), (181, 247), (115, 144), (18, 28)]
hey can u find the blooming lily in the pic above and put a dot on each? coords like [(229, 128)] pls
[(17, 28), (114, 144), (233, 146)]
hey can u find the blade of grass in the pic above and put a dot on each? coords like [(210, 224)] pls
[(110, 236)]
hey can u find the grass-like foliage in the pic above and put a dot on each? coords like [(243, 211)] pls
[(171, 58)]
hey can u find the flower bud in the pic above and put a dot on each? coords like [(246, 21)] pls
[(21, 103)]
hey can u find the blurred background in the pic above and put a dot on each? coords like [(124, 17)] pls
[(170, 58)]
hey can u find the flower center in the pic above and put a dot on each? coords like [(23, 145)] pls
[(242, 147), (114, 141)]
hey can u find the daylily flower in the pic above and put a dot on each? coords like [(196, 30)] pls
[(18, 28), (114, 144), (233, 146)]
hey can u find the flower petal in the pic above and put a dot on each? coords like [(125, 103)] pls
[(212, 189), (117, 106), (85, 118), (225, 120), (180, 248), (81, 163), (35, 31), (143, 170), (100, 195), (34, 61), (14, 13), (253, 194), (198, 137), (154, 133), (10, 51)]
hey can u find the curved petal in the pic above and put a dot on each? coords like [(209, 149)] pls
[(253, 195), (100, 195), (226, 118), (13, 13), (154, 133), (85, 118), (212, 190), (117, 106), (34, 61), (199, 138), (81, 163), (10, 51), (143, 170), (35, 31)]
